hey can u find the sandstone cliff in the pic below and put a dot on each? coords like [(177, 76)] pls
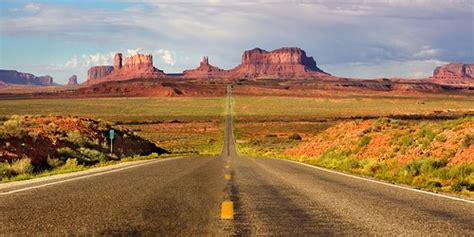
[(72, 81), (205, 70), (454, 73), (94, 74), (289, 63), (15, 77), (136, 66)]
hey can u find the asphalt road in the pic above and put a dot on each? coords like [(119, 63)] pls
[(183, 197)]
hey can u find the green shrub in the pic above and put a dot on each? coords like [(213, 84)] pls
[(412, 169), (92, 155), (429, 166), (65, 153), (433, 184), (54, 163), (468, 140), (364, 141), (22, 166), (71, 164), (295, 136), (461, 171), (77, 138), (426, 133), (13, 127), (440, 138), (5, 170), (407, 140)]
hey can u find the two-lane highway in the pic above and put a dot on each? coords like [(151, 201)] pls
[(269, 196)]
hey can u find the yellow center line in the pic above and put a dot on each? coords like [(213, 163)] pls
[(227, 166), (227, 176), (227, 210)]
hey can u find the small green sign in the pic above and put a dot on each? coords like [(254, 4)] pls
[(111, 134)]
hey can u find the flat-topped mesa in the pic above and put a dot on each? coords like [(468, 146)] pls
[(139, 62), (97, 72), (136, 66), (15, 77), (205, 70), (454, 73), (280, 63)]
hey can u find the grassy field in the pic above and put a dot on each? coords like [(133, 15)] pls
[(296, 108), (434, 154), (181, 125), (121, 109)]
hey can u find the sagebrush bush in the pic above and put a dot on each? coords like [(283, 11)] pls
[(468, 140), (71, 164), (13, 127), (77, 138), (54, 163), (65, 153), (22, 166), (92, 155), (5, 170), (364, 141)]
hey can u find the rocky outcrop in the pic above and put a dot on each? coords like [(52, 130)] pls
[(139, 62), (21, 78), (287, 63), (117, 61), (454, 73), (94, 74), (205, 70), (136, 66), (72, 81)]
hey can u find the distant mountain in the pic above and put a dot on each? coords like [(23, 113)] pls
[(454, 73), (283, 63), (21, 78)]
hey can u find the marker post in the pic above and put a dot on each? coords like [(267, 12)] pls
[(111, 136)]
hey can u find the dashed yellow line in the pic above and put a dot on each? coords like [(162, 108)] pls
[(227, 166), (227, 210), (227, 176)]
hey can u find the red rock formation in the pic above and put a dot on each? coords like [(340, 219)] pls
[(139, 62), (15, 77), (72, 81), (136, 66), (117, 61), (205, 70), (94, 74), (280, 63), (454, 73)]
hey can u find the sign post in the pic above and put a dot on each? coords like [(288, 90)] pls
[(111, 136)]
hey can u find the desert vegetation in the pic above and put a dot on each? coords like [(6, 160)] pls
[(42, 145), (182, 126), (432, 150)]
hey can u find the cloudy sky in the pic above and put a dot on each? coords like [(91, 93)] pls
[(354, 38)]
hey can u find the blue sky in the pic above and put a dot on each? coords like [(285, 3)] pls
[(353, 38)]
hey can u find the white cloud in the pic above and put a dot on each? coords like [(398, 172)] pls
[(412, 69), (32, 7), (132, 52), (97, 59), (72, 63), (427, 52), (168, 57)]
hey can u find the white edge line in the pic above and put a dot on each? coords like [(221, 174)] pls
[(87, 176), (374, 181)]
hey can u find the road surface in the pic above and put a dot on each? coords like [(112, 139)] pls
[(269, 196)]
